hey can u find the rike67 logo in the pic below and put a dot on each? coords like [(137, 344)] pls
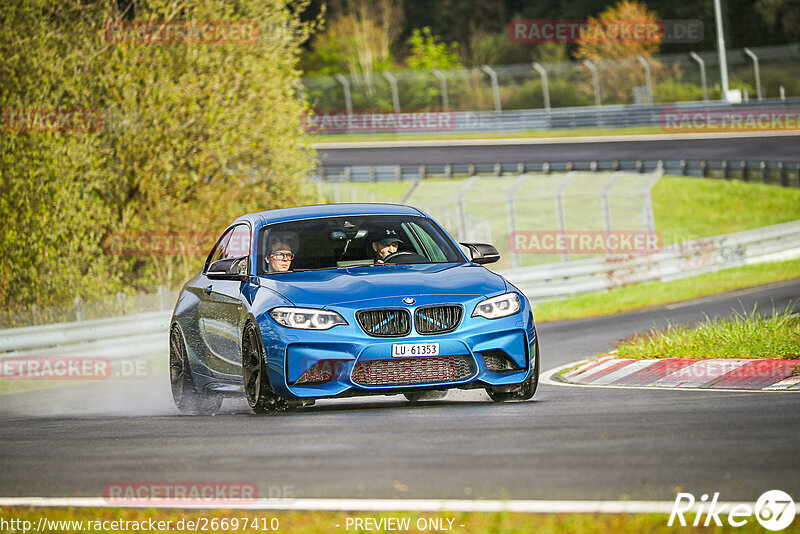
[(774, 510)]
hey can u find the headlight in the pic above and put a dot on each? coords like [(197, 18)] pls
[(499, 306), (306, 318)]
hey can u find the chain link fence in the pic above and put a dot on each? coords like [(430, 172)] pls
[(627, 81)]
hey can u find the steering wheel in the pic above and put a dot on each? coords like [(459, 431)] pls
[(404, 257)]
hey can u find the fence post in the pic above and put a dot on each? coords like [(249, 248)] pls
[(462, 215), (348, 102), (562, 223), (35, 314), (512, 220), (744, 171), (162, 298), (763, 165), (545, 87), (79, 315), (702, 74), (648, 78), (442, 88), (604, 201), (122, 298), (495, 88), (393, 83), (782, 173), (755, 68), (595, 81)]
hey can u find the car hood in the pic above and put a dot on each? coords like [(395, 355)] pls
[(340, 286)]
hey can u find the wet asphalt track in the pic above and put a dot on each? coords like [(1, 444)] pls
[(755, 148), (567, 443)]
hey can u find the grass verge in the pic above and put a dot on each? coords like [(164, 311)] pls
[(644, 295), (741, 336), (311, 522)]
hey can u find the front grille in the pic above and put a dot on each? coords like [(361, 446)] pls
[(437, 319), (385, 323), (408, 371)]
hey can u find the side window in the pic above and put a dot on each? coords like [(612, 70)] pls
[(239, 242), (219, 249)]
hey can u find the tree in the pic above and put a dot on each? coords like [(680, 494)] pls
[(613, 41), (428, 52), (193, 135)]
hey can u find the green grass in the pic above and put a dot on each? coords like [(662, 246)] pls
[(637, 296), (745, 335), (312, 522), (690, 208)]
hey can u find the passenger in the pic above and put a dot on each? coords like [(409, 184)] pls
[(388, 242)]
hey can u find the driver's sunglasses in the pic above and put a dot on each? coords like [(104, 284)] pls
[(282, 255)]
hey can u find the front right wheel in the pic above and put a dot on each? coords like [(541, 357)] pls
[(522, 392), (259, 393)]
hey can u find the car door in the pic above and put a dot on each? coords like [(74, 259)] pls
[(220, 312)]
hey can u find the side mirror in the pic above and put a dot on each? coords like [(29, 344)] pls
[(229, 269), (482, 253)]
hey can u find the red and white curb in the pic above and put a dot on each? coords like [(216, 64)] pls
[(691, 373)]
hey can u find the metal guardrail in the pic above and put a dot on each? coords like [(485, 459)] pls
[(618, 116), (557, 280), (783, 173), (138, 335)]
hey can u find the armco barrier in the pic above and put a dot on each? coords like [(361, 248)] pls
[(556, 280), (139, 335)]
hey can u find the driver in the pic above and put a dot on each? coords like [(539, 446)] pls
[(280, 257), (387, 243)]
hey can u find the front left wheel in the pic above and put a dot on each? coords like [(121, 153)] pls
[(185, 394), (259, 393)]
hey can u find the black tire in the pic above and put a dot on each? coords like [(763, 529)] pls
[(417, 396), (187, 398), (525, 390), (259, 393)]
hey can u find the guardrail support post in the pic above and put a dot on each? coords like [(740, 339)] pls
[(495, 87), (757, 74), (442, 88), (395, 95), (348, 101), (702, 74), (545, 88), (648, 78)]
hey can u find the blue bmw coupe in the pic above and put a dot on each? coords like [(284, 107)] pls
[(315, 302)]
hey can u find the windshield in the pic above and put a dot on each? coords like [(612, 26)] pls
[(337, 242)]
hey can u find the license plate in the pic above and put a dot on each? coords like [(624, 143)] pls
[(407, 350)]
